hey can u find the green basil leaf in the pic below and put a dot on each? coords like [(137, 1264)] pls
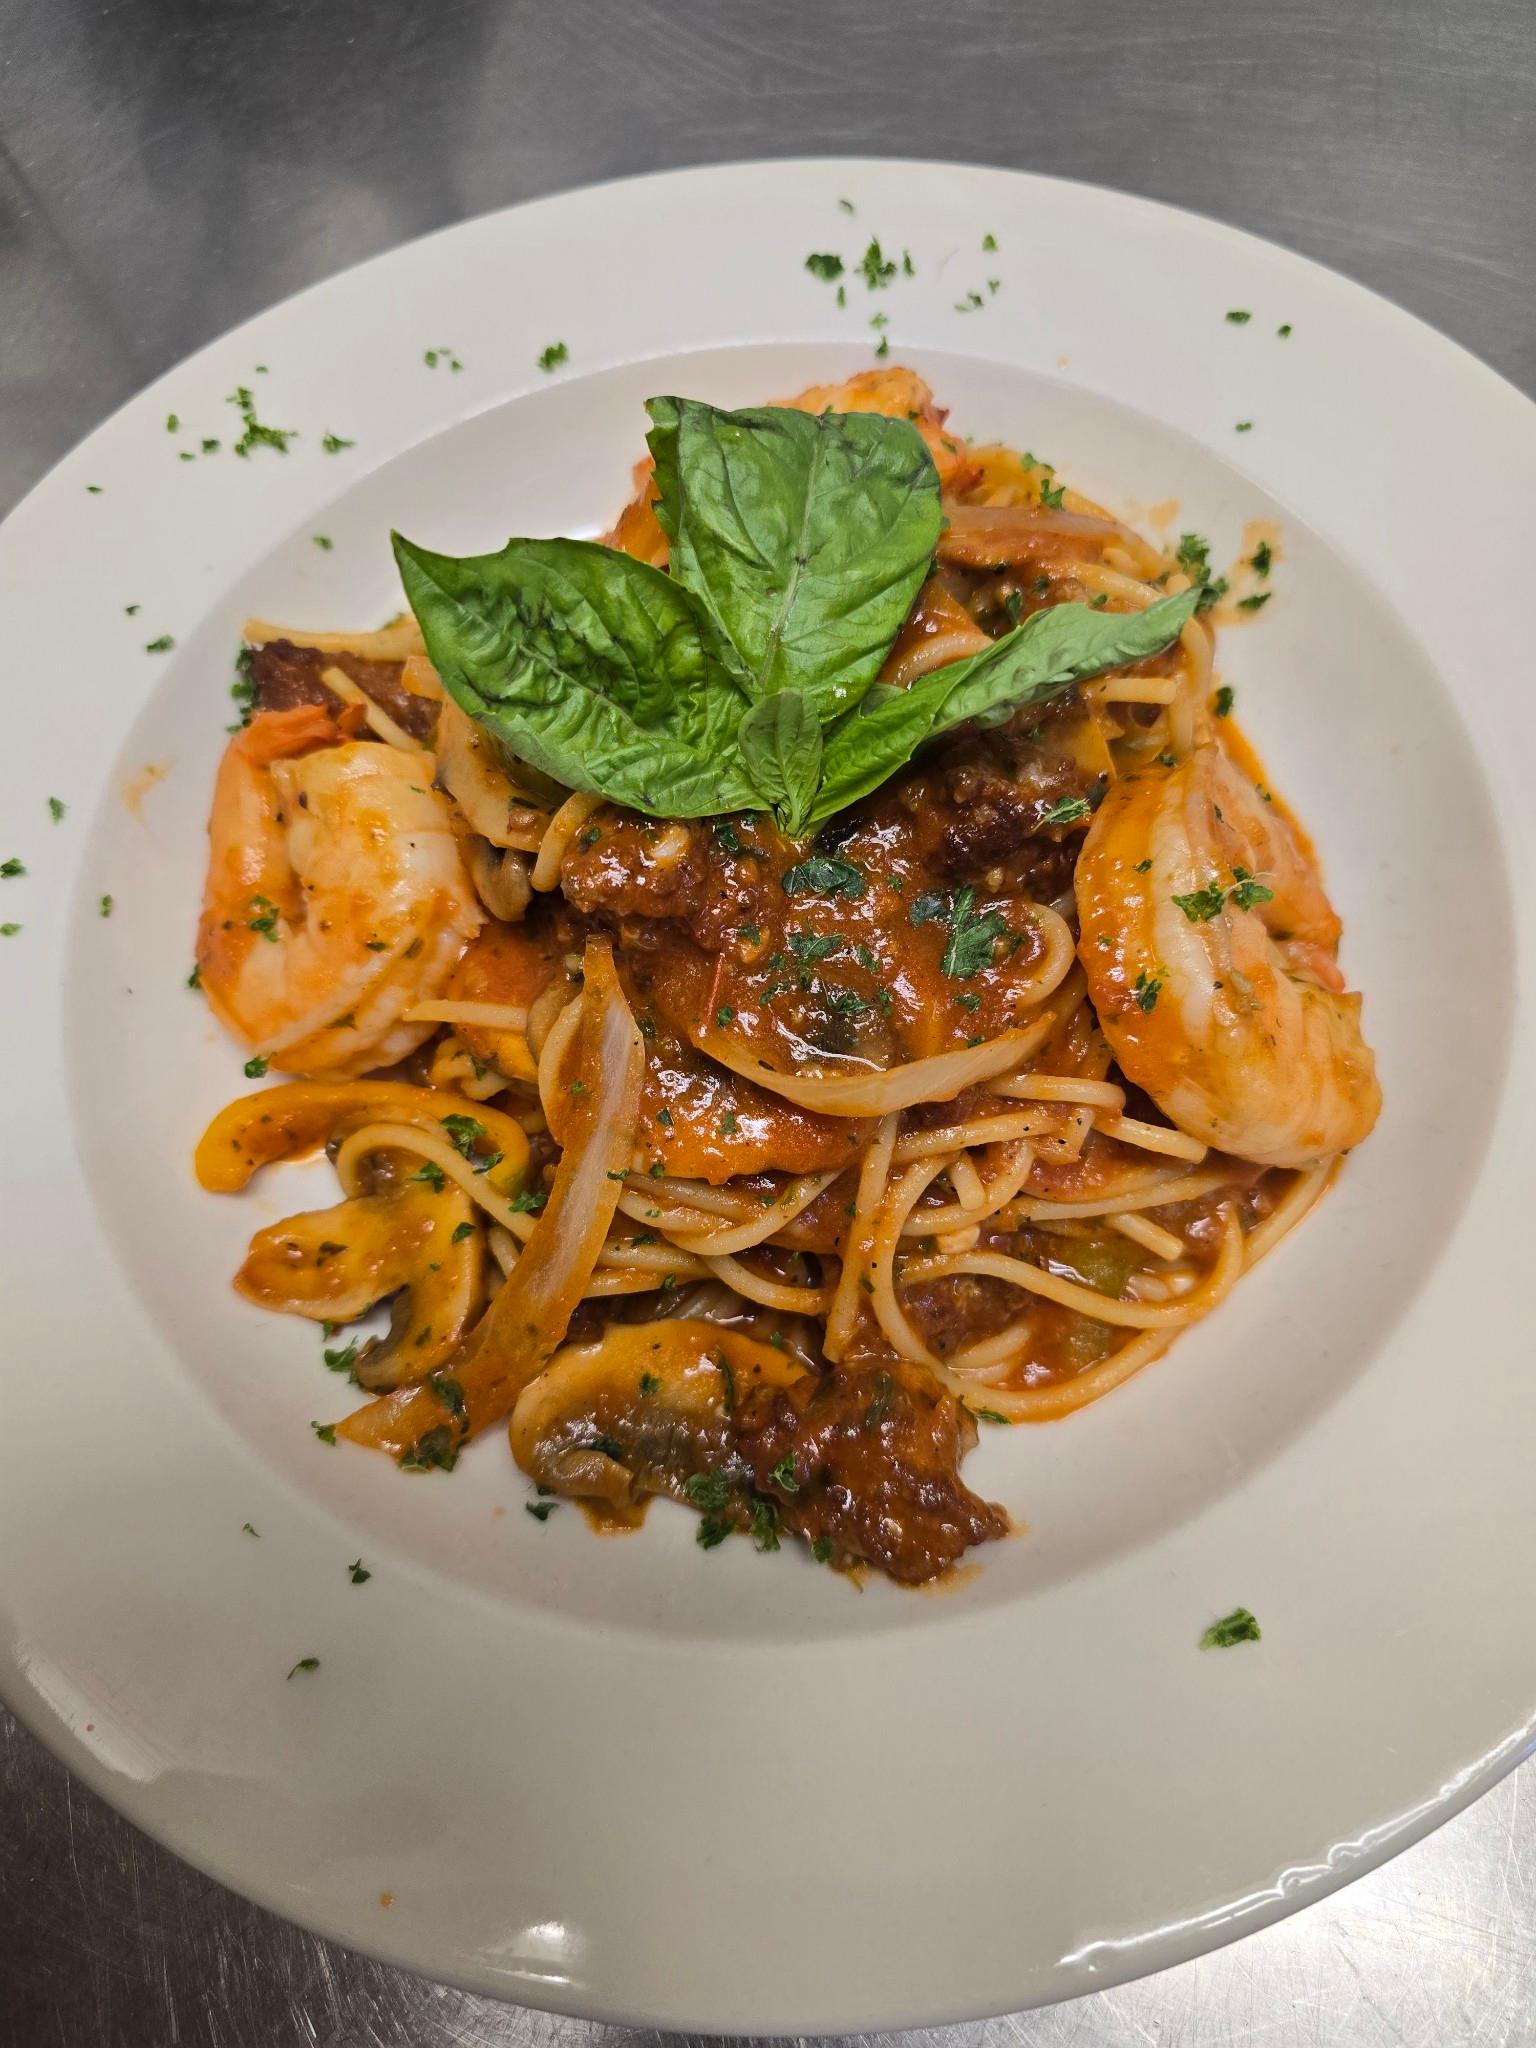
[(1062, 645), (593, 667), (780, 745), (805, 537)]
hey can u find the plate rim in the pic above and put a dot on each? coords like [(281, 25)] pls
[(1258, 1909)]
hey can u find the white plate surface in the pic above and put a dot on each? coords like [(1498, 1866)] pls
[(632, 1779)]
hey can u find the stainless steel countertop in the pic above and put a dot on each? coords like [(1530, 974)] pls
[(168, 167)]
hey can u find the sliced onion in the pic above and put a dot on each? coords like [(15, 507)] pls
[(524, 1326), (990, 536), (876, 1091)]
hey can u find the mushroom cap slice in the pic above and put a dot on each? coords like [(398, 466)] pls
[(409, 1244)]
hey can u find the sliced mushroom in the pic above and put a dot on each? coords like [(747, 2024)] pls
[(416, 1245), (646, 1410), (500, 877), (300, 1116)]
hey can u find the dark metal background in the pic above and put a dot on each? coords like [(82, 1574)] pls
[(168, 167)]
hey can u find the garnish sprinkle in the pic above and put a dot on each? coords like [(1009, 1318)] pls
[(1237, 1627)]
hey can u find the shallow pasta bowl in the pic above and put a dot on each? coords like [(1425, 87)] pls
[(712, 1790)]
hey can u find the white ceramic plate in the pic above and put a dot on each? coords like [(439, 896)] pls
[(715, 1790)]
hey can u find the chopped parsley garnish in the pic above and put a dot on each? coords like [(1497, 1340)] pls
[(725, 1016), (195, 978), (55, 808), (649, 1383), (765, 1525), (822, 875), (243, 689), (847, 205), (1238, 317), (1067, 810), (172, 423), (970, 302), (989, 243), (749, 934), (1222, 702), (433, 356), (1243, 427), (708, 1489), (105, 908), (814, 945), (552, 357), (783, 1474), (306, 1664), (461, 1231), (846, 1002), (1194, 558), (249, 1529), (464, 1134), (1247, 892), (1143, 867), (161, 646), (9, 931), (93, 490), (874, 267), (664, 1116), (989, 1415), (433, 1451), (430, 1172), (1237, 1627), (1256, 602), (1051, 497), (722, 1365), (360, 1572), (1284, 332), (1145, 989), (827, 268), (529, 1201), (256, 434), (333, 443), (446, 1390), (11, 868), (266, 923), (326, 1431), (323, 541), (821, 1549), (972, 933), (1262, 558), (255, 1067), (541, 1510), (1200, 905), (132, 610)]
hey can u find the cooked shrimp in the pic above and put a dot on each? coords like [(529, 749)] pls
[(897, 393), (336, 896), (1209, 944)]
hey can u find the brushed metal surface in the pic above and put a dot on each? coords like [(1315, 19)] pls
[(168, 167)]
